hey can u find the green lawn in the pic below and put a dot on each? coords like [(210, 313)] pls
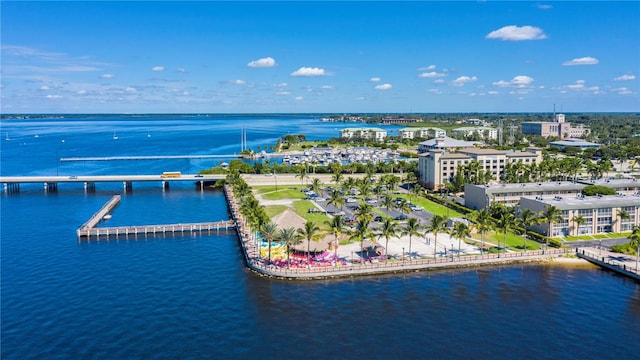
[(597, 236), (283, 193), (273, 210), (301, 208), (431, 206), (514, 242)]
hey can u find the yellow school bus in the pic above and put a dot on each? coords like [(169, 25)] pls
[(171, 174)]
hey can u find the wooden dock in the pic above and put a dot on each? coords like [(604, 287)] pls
[(88, 230)]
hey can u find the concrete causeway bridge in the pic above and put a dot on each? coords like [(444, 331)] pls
[(11, 184)]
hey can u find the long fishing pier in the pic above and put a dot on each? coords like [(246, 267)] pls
[(11, 184), (88, 230), (148, 157)]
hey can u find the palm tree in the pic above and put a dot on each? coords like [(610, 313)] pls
[(412, 227), (336, 199), (417, 190), (484, 224), (310, 233), (290, 237), (460, 231), (269, 233), (388, 202), (438, 224), (365, 211), (551, 215), (506, 223), (403, 206), (635, 241), (622, 216), (337, 226), (337, 177), (579, 220), (364, 186), (388, 229), (316, 185), (361, 232), (301, 172), (527, 219)]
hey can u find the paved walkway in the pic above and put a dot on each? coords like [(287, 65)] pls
[(625, 264)]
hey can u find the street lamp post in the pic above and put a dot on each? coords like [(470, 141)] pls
[(403, 256)]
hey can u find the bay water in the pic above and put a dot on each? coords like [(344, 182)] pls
[(191, 297)]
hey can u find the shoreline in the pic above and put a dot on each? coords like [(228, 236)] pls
[(256, 264)]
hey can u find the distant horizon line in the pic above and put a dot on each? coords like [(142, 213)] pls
[(319, 113)]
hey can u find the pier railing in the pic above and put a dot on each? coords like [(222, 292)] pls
[(163, 229), (89, 230), (620, 265)]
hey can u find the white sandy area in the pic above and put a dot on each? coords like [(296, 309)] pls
[(419, 247)]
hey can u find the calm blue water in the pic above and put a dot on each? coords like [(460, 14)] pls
[(191, 297)]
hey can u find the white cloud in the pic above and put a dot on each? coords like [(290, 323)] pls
[(432, 74), (375, 79), (544, 6), (262, 63), (587, 60), (281, 85), (283, 93), (131, 90), (44, 87), (107, 76), (435, 91), (327, 87), (517, 81), (181, 70), (299, 98), (522, 80), (625, 78), (54, 97), (427, 68), (361, 98), (237, 82), (493, 92), (438, 81), (581, 85), (515, 33), (461, 80), (158, 68), (383, 87), (308, 71), (81, 92)]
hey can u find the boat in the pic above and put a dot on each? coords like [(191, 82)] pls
[(107, 217), (115, 136), (6, 138)]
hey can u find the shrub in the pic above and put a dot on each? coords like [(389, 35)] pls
[(591, 190)]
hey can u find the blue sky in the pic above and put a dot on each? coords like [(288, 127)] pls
[(251, 57)]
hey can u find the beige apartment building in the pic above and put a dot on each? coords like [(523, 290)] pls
[(479, 197), (436, 167), (421, 132), (364, 133), (601, 214), (558, 128)]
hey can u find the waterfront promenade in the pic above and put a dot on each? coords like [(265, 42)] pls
[(620, 263), (257, 264)]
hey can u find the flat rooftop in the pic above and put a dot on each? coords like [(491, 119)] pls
[(541, 186), (588, 202)]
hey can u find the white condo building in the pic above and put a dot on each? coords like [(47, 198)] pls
[(364, 133)]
